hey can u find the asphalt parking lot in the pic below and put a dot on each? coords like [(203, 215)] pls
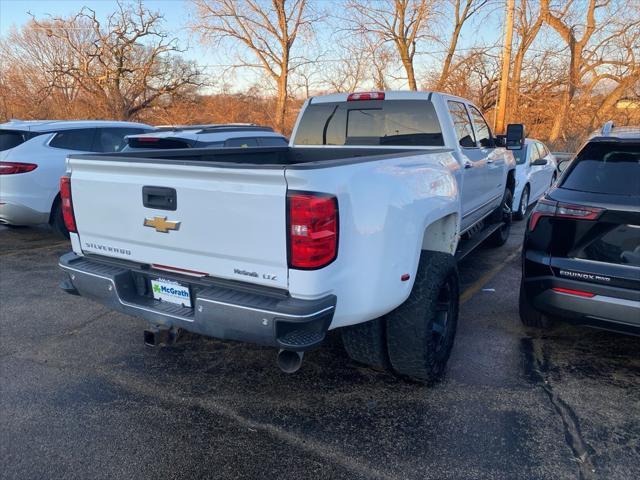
[(82, 397)]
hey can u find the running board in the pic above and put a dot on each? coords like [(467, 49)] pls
[(467, 246)]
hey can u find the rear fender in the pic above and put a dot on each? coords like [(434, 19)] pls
[(390, 211)]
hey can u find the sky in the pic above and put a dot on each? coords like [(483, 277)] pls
[(177, 15)]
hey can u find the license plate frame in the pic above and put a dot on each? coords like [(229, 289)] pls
[(171, 291)]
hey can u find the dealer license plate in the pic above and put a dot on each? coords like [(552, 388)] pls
[(170, 291)]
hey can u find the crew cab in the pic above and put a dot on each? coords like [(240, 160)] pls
[(355, 225)]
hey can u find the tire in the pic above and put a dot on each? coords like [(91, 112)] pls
[(421, 331), (524, 204), (366, 343), (529, 316), (57, 220), (503, 213)]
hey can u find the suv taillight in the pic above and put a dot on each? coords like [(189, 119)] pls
[(313, 229), (550, 208), (11, 168), (67, 205)]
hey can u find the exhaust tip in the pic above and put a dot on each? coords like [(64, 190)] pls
[(289, 361)]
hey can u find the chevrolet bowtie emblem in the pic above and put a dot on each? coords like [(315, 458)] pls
[(161, 224)]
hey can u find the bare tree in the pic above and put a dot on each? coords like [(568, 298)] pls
[(400, 22), (267, 30), (594, 57), (527, 26), (128, 64), (463, 10)]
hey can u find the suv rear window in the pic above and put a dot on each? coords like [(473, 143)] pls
[(606, 167), (376, 122), (12, 138)]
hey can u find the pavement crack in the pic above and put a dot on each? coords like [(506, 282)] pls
[(537, 367)]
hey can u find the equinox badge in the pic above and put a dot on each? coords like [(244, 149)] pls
[(161, 224)]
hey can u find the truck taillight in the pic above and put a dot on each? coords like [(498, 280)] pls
[(550, 208), (313, 229), (67, 205), (11, 168), (365, 96)]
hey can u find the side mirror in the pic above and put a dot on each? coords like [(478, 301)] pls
[(515, 136), (539, 162), (563, 164), (500, 141)]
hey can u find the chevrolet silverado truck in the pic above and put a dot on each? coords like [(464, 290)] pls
[(356, 225)]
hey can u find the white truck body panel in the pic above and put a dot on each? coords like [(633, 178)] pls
[(230, 219), (381, 233)]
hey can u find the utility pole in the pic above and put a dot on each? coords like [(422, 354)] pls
[(501, 107)]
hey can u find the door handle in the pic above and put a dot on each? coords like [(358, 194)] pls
[(161, 198), (490, 161), (468, 164)]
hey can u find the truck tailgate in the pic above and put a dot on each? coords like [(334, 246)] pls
[(232, 221)]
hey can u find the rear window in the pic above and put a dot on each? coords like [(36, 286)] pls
[(155, 143), (243, 142), (12, 138), (605, 167), (273, 141), (113, 139), (376, 122)]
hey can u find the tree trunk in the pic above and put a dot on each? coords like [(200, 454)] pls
[(449, 58), (281, 101), (513, 113), (407, 62), (560, 118)]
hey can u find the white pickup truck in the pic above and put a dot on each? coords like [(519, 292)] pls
[(355, 225)]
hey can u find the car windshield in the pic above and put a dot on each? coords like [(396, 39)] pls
[(12, 138), (378, 122), (606, 167), (520, 155)]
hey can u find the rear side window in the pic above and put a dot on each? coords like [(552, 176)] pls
[(462, 124), (12, 138), (80, 139), (483, 132), (112, 139), (605, 167), (375, 122)]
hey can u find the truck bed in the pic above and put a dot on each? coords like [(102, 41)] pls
[(267, 157)]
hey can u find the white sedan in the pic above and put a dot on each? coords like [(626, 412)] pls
[(32, 160), (536, 171)]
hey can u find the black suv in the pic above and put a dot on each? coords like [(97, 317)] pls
[(581, 253)]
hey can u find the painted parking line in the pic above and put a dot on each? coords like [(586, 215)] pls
[(486, 278)]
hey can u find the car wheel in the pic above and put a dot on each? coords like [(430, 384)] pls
[(57, 220), (504, 214), (366, 343), (529, 316), (524, 204), (421, 331)]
